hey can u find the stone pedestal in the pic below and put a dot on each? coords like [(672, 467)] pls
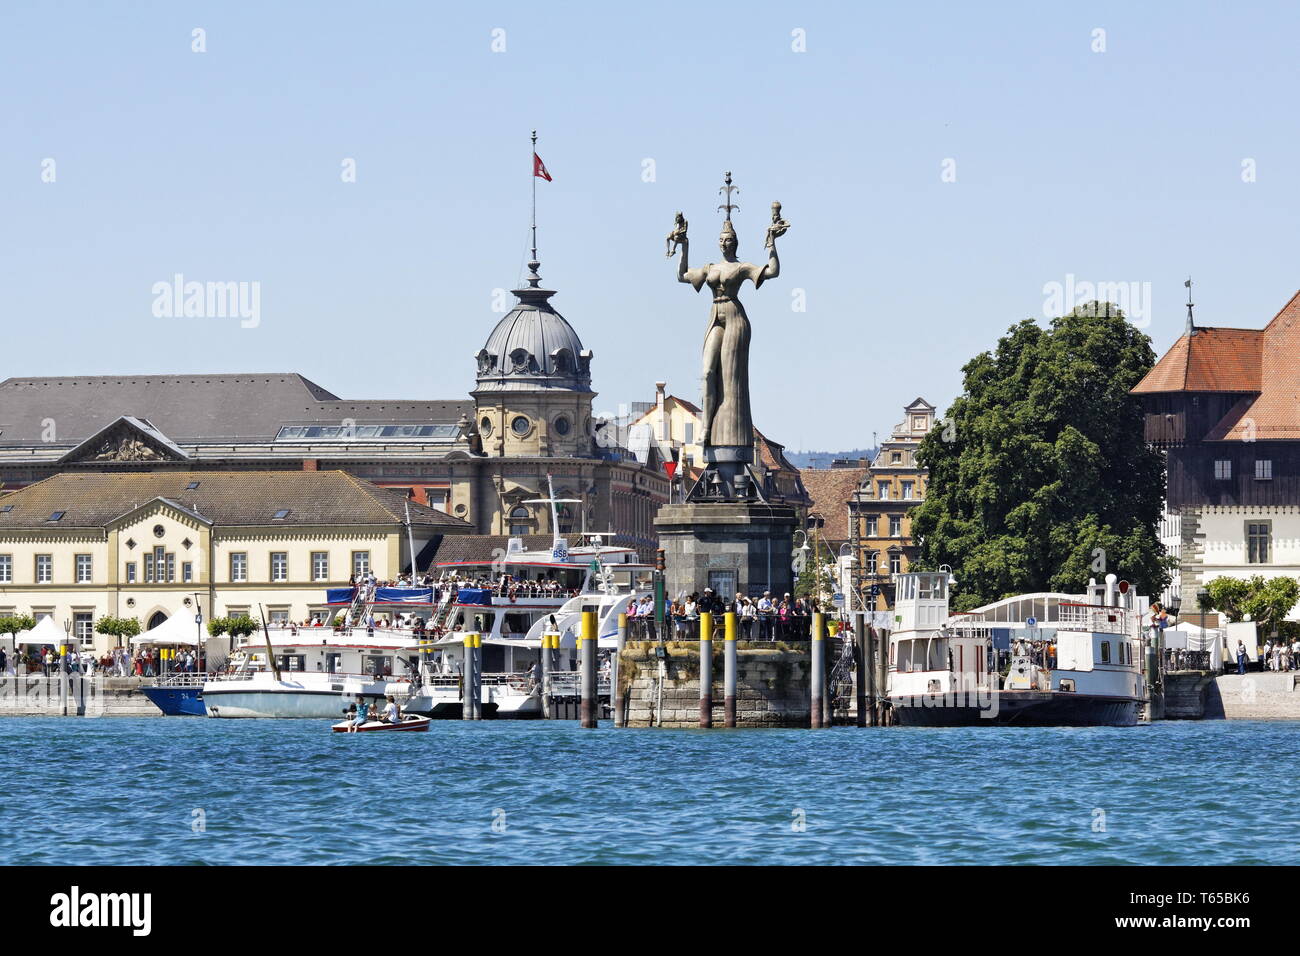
[(745, 544)]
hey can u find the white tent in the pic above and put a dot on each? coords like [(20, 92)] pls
[(177, 629), (45, 632)]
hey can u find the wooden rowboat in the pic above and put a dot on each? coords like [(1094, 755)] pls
[(408, 722)]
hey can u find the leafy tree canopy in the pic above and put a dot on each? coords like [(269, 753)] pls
[(1039, 475), (1266, 600)]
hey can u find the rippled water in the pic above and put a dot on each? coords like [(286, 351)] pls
[(119, 790)]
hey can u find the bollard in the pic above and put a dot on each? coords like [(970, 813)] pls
[(817, 676), (616, 691), (548, 641), (861, 666), (706, 669), (729, 670), (478, 677), (467, 679), (587, 655)]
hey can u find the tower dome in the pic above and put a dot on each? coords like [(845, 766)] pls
[(533, 348)]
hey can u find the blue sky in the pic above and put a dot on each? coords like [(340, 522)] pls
[(1115, 166)]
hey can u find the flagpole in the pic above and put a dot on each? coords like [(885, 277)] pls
[(532, 169)]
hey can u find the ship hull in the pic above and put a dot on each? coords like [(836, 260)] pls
[(177, 701), (1022, 709)]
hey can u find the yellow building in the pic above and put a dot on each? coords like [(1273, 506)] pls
[(80, 546), (880, 510)]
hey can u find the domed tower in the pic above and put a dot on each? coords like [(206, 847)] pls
[(534, 395)]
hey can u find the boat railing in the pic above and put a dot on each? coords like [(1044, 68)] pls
[(1095, 618), (569, 684)]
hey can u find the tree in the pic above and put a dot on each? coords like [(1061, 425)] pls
[(1039, 475), (1266, 600), (121, 627), (14, 623), (241, 625)]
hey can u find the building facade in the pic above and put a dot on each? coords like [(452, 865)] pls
[(78, 547), (1222, 405), (880, 508)]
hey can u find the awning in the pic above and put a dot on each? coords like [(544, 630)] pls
[(45, 632), (177, 629)]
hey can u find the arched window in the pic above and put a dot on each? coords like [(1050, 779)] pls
[(157, 618), (519, 521)]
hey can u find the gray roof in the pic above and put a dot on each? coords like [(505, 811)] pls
[(533, 347), (224, 498), (193, 408)]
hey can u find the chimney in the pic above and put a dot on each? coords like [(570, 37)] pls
[(659, 406)]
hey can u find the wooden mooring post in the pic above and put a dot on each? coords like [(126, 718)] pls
[(862, 664)]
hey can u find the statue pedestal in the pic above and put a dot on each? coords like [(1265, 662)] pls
[(734, 547)]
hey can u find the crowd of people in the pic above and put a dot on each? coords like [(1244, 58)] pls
[(1280, 655), (49, 661), (765, 618)]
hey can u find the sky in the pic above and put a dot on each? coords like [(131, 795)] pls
[(941, 165)]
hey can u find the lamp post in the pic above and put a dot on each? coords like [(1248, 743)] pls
[(198, 631)]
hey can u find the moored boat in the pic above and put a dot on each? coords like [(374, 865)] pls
[(1047, 659)]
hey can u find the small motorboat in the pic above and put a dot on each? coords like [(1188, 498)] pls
[(408, 722)]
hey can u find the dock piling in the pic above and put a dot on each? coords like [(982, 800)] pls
[(467, 680), (729, 670), (817, 675), (861, 666), (616, 692), (587, 655), (548, 640), (706, 669)]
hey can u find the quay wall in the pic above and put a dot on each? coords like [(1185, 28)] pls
[(1254, 696), (37, 696), (772, 684)]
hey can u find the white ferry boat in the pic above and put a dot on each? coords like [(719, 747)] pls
[(511, 601), (1047, 659)]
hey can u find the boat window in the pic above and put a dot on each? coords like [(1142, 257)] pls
[(1105, 652)]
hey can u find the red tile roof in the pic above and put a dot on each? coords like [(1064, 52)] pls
[(830, 490), (1265, 362), (1211, 360)]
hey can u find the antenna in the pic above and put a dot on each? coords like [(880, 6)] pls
[(555, 514)]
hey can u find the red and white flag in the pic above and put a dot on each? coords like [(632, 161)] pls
[(539, 168)]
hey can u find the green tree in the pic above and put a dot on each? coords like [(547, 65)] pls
[(1266, 600), (14, 623), (123, 627), (1039, 475)]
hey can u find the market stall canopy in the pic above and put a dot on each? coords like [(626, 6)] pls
[(177, 629), (45, 632)]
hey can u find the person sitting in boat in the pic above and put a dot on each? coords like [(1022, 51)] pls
[(392, 713), (363, 714)]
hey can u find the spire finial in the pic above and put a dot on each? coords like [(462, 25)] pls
[(1191, 324), (727, 189)]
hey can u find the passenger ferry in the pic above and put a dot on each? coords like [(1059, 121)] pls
[(409, 641), (1047, 659)]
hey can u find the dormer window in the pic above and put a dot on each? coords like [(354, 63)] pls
[(280, 515), (56, 516), (191, 486)]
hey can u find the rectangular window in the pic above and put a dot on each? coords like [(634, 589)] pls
[(148, 568), (187, 572), (907, 491), (84, 567), (360, 563), (1259, 541), (882, 491), (1222, 469), (171, 568), (83, 626), (44, 568), (1105, 652), (279, 616), (690, 433), (130, 572), (873, 524), (895, 564), (279, 566), (873, 561), (238, 566), (6, 568), (320, 565), (895, 526), (1263, 469)]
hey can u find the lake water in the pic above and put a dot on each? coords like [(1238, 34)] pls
[(188, 790)]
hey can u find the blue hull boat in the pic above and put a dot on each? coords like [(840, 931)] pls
[(177, 701)]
